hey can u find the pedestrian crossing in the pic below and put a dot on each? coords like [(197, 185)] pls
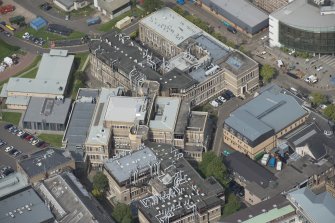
[(328, 59)]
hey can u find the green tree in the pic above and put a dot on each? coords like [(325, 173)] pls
[(212, 165), (152, 5), (267, 73), (232, 205), (318, 99), (100, 184), (330, 112), (122, 213)]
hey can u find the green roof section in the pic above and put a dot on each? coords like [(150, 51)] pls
[(271, 215)]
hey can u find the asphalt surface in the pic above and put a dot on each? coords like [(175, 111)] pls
[(18, 143)]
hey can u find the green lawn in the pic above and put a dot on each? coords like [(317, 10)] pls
[(11, 117), (105, 27), (30, 74), (43, 33), (53, 140), (81, 58), (6, 49)]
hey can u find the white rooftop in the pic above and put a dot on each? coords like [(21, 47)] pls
[(126, 109), (166, 113), (171, 25)]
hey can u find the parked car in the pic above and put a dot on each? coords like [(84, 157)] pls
[(2, 143), (28, 137), (24, 135), (39, 144), (12, 151), (214, 104), (222, 99), (17, 153), (8, 126), (34, 142), (9, 148)]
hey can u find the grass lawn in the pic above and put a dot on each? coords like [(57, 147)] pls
[(53, 140), (81, 58), (30, 74), (11, 117), (6, 49), (43, 33), (105, 27)]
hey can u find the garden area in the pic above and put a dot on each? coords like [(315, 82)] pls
[(7, 50), (52, 139), (11, 117)]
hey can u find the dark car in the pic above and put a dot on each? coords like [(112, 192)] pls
[(8, 126), (8, 171), (24, 135), (2, 143), (231, 94), (39, 144), (46, 6), (12, 151)]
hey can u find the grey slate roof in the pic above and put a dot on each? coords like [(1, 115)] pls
[(12, 182), (47, 110), (33, 209), (319, 208), (270, 110)]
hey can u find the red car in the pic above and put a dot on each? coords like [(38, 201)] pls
[(6, 8), (28, 137)]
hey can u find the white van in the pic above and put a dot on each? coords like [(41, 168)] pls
[(279, 165)]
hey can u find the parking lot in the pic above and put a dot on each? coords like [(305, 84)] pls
[(18, 143)]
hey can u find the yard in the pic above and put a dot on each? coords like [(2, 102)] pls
[(11, 117), (105, 27), (52, 139), (30, 73), (6, 49)]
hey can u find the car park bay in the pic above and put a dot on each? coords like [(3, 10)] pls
[(18, 143)]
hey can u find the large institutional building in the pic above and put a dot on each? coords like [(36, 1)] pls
[(255, 127), (304, 25), (185, 61)]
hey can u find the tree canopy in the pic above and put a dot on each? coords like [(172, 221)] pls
[(318, 99), (122, 213), (267, 72), (212, 165), (330, 112), (100, 184), (152, 5)]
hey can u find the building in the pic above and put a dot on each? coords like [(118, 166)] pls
[(46, 114), (24, 206), (305, 26), (191, 64), (70, 5), (11, 183), (241, 14), (98, 143), (44, 164), (270, 5), (256, 126), (179, 193), (112, 8), (128, 176), (50, 82), (313, 207), (69, 201), (276, 209), (78, 125)]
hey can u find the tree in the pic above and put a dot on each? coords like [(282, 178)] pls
[(100, 184), (212, 165), (267, 73), (152, 5), (122, 213), (232, 205), (330, 112), (318, 99)]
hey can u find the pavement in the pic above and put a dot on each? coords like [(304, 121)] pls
[(18, 143)]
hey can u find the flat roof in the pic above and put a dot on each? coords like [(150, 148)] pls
[(43, 161), (112, 5), (55, 65), (123, 168), (171, 25), (197, 120), (70, 199), (242, 10), (125, 109), (166, 113), (18, 100), (270, 110), (273, 214), (26, 207), (27, 85), (47, 110), (12, 182), (294, 14), (98, 134), (318, 207)]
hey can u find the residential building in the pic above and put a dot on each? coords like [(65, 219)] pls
[(112, 8), (46, 114), (304, 25), (191, 64), (11, 183), (70, 202), (78, 125), (50, 82), (270, 5), (256, 126), (276, 209), (313, 207), (70, 5), (44, 164), (24, 206), (240, 14)]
